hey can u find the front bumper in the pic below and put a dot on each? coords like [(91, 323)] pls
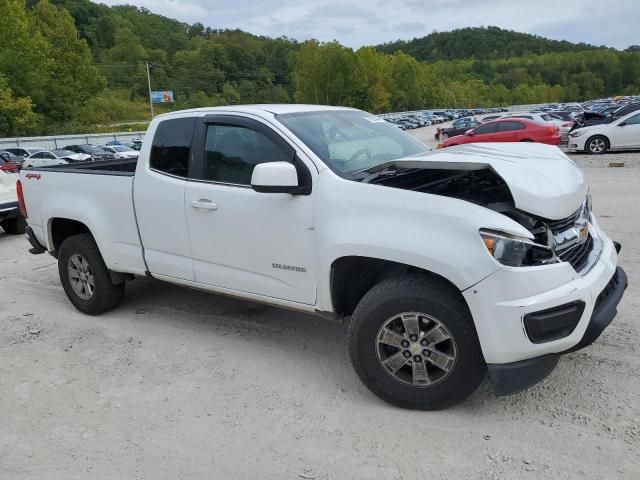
[(509, 378), (576, 144), (502, 303)]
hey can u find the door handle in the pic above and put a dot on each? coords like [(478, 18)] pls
[(204, 204)]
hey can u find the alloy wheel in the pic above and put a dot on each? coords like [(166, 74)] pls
[(416, 349), (597, 145), (80, 276)]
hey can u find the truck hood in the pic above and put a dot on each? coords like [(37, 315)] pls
[(542, 180)]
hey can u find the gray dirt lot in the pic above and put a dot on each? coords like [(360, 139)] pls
[(179, 384)]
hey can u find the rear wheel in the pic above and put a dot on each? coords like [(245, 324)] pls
[(85, 277), (14, 226), (597, 145), (413, 344)]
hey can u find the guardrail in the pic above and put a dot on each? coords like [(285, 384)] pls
[(59, 141)]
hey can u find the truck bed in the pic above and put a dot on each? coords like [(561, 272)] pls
[(100, 197), (124, 168)]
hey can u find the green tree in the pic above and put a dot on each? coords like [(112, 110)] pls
[(70, 77), (16, 114), (22, 51)]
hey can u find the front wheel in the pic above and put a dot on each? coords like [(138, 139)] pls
[(85, 277), (597, 145), (413, 344)]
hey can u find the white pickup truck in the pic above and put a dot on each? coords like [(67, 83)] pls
[(448, 264)]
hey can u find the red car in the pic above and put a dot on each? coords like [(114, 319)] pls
[(507, 130)]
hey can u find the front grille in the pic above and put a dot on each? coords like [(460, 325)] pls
[(577, 255), (565, 223)]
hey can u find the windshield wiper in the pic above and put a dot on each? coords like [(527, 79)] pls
[(390, 171)]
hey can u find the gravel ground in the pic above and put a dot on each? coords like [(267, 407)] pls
[(179, 384)]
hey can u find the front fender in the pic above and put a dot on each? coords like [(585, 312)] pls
[(430, 232)]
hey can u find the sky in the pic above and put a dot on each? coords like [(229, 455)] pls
[(370, 22)]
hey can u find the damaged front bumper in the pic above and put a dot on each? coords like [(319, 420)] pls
[(509, 378), (527, 317)]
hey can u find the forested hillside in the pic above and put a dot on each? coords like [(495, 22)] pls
[(70, 65), (481, 43)]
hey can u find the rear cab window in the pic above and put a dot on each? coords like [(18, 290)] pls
[(171, 147)]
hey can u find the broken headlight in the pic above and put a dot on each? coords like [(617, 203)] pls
[(516, 251)]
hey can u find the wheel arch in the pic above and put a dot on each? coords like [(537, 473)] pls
[(59, 229), (353, 276)]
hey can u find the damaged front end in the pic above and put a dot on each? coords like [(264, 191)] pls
[(567, 239)]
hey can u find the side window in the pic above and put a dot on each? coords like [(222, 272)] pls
[(231, 153), (171, 147), (509, 126), (48, 155), (486, 128), (635, 120)]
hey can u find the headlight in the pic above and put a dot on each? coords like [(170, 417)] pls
[(516, 251), (577, 133)]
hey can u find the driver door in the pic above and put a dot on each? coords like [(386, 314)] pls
[(242, 240)]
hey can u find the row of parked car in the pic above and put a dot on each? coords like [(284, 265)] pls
[(593, 127), (425, 118), (23, 157)]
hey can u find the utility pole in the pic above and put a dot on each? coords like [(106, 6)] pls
[(148, 64)]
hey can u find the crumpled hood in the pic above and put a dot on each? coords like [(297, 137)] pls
[(542, 180)]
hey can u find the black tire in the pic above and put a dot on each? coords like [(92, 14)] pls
[(15, 226), (597, 145), (106, 295), (430, 296)]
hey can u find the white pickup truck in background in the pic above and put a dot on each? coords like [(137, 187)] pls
[(447, 264)]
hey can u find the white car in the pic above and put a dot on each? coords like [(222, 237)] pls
[(564, 126), (23, 152), (447, 264), (121, 152), (47, 158), (621, 134), (10, 218)]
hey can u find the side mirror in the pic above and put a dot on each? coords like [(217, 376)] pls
[(622, 124), (471, 133), (275, 177)]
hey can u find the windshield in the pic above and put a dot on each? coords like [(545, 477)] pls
[(120, 148), (349, 141)]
